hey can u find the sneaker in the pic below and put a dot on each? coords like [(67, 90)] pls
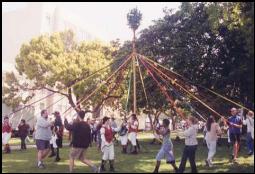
[(250, 153), (95, 169), (41, 166)]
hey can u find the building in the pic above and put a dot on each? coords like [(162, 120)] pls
[(21, 26)]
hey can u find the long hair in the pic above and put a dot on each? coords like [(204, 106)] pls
[(209, 122)]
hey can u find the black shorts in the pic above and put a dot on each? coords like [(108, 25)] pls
[(59, 142), (235, 138)]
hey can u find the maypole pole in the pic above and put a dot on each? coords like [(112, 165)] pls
[(134, 17)]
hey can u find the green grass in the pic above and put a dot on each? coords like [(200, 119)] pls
[(25, 161)]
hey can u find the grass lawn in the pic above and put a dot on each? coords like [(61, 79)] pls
[(25, 161)]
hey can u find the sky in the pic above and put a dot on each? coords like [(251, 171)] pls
[(107, 20)]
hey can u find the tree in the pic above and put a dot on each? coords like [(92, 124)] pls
[(56, 62)]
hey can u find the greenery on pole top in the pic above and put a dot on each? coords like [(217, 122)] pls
[(134, 17)]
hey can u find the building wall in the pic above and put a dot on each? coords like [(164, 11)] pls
[(21, 26)]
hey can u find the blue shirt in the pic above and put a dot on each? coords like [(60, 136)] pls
[(235, 120)]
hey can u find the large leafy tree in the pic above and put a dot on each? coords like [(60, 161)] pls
[(208, 43), (56, 62)]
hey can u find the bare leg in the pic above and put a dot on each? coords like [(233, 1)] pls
[(71, 165), (45, 153), (39, 155)]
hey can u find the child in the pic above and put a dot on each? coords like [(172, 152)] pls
[(123, 134), (166, 148), (107, 145), (53, 143)]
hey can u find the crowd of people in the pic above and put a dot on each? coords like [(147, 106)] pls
[(49, 137)]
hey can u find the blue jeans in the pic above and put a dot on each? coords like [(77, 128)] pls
[(250, 142), (189, 152)]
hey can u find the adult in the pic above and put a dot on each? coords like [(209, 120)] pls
[(107, 145), (166, 149), (6, 134), (23, 133), (212, 132), (133, 129), (123, 135), (249, 121), (156, 127), (190, 148), (235, 125), (42, 137), (81, 138)]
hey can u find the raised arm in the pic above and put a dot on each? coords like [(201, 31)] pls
[(67, 125)]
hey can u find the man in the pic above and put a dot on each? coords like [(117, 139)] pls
[(235, 126), (107, 146), (42, 137), (23, 133), (249, 121), (6, 134), (81, 138)]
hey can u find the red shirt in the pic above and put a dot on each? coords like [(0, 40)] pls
[(133, 129), (6, 127), (108, 134)]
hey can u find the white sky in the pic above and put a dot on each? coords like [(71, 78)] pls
[(107, 20)]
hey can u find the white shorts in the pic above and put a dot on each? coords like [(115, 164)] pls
[(123, 139), (132, 138), (108, 152), (6, 137)]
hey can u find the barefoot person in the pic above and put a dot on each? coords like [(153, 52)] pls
[(81, 138), (166, 148), (6, 134), (42, 137)]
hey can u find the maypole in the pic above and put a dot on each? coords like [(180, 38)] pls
[(134, 17)]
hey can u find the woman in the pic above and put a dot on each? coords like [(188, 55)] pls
[(190, 148), (212, 132), (123, 135), (166, 149), (23, 133)]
